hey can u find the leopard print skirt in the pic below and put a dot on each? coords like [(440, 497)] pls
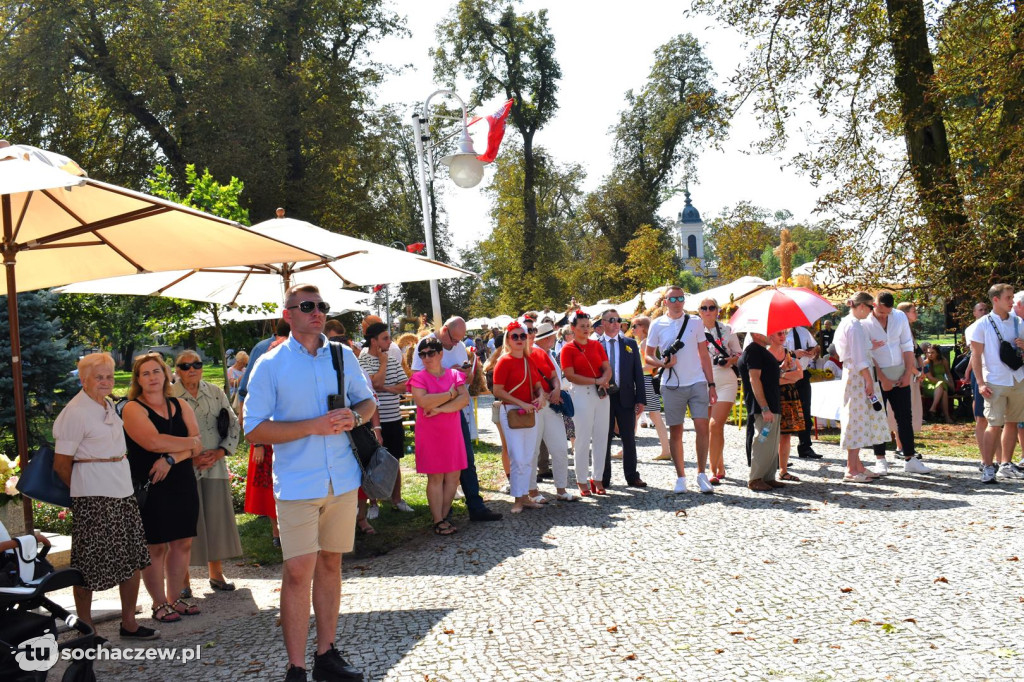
[(108, 543)]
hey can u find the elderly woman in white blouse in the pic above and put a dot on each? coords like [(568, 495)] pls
[(108, 544), (863, 422)]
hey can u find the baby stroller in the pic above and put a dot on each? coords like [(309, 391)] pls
[(29, 620)]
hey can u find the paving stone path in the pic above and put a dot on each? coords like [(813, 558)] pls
[(911, 578)]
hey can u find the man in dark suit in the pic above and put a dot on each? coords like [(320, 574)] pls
[(628, 402)]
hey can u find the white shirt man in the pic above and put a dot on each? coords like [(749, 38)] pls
[(892, 351), (686, 381), (1000, 386), (804, 355)]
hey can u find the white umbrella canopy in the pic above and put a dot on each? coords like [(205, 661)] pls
[(61, 227), (733, 291), (341, 300), (347, 262)]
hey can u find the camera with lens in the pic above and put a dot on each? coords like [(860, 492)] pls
[(721, 361), (676, 346)]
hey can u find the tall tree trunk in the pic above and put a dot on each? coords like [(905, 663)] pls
[(292, 125), (527, 258), (924, 130)]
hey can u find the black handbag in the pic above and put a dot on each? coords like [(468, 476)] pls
[(1008, 353), (223, 423), (141, 492), (40, 482), (379, 467)]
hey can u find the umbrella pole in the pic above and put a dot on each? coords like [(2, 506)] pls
[(220, 343), (20, 416)]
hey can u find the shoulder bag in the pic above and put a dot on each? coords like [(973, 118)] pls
[(565, 408), (40, 482), (519, 418), (1008, 353), (379, 467)]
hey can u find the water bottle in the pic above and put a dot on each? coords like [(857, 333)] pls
[(876, 404), (762, 436)]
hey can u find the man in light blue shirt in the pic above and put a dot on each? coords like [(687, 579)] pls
[(316, 475)]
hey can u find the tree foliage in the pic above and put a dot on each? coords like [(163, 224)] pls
[(46, 367), (917, 148), (271, 92), (650, 259), (743, 238), (674, 114), (502, 52)]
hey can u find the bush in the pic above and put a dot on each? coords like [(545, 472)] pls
[(237, 471), (52, 519)]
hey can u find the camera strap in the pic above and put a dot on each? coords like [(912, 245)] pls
[(339, 367), (679, 340), (717, 344)]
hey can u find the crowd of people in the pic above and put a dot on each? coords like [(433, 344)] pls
[(149, 482)]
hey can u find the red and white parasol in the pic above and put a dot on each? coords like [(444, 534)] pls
[(773, 310)]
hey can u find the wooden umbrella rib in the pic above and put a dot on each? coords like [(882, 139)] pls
[(337, 274), (84, 228), (188, 274), (238, 292), (312, 266), (21, 217), (41, 247), (120, 253)]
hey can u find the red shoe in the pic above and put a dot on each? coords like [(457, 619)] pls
[(598, 490), (584, 492)]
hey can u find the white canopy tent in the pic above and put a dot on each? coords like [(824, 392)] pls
[(734, 291)]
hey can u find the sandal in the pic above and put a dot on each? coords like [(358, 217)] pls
[(222, 585), (444, 528), (170, 616), (365, 528), (190, 609), (788, 477)]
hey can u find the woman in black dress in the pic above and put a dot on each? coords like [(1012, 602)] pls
[(161, 434)]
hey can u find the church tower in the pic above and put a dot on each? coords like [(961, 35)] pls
[(689, 234)]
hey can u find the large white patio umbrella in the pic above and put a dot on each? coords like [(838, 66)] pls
[(733, 292), (347, 262), (61, 227)]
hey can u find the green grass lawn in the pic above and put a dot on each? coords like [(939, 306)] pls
[(934, 440)]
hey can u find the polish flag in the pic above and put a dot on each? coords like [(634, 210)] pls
[(496, 131)]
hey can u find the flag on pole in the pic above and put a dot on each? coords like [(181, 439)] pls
[(496, 131)]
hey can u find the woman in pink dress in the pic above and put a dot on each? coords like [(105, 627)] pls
[(439, 394)]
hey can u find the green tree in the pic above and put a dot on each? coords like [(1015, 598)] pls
[(271, 92), (46, 367), (658, 134), (650, 260), (514, 55), (943, 212)]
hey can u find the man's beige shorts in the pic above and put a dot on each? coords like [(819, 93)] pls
[(327, 523), (1006, 404)]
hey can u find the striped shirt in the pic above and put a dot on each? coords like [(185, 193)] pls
[(387, 403)]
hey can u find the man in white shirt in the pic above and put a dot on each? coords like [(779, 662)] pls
[(686, 381), (455, 355), (1001, 386), (892, 351), (801, 342)]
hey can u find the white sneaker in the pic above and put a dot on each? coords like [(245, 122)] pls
[(916, 466), (988, 474), (680, 485), (505, 489), (459, 495), (403, 506), (373, 512), (704, 484), (1007, 471), (881, 467)]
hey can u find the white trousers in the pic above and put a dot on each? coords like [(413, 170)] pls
[(551, 428), (520, 443), (591, 421)]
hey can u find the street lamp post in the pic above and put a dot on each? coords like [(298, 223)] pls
[(463, 167)]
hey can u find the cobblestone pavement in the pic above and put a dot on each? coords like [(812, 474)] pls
[(910, 578)]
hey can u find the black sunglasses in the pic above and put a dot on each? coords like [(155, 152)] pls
[(676, 299), (709, 307), (614, 320), (531, 330), (517, 337), (427, 353), (308, 306), (185, 366)]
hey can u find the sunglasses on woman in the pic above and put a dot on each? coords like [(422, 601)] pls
[(708, 308), (517, 337), (186, 366), (427, 353), (308, 306)]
